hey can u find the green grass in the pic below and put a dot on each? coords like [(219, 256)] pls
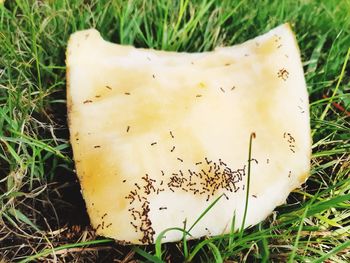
[(40, 204)]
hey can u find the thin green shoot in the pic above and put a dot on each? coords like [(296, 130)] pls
[(158, 243), (252, 136), (232, 231)]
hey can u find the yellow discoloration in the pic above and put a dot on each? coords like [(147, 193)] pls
[(268, 47), (303, 177), (202, 85)]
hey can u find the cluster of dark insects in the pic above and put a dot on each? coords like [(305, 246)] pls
[(291, 141), (283, 74), (207, 179)]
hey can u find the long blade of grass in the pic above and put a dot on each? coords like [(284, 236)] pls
[(20, 216), (204, 212), (216, 252), (195, 223), (158, 244), (334, 251), (315, 56), (47, 252), (147, 256), (198, 247), (341, 76), (295, 247), (232, 231), (252, 136), (264, 247), (184, 241)]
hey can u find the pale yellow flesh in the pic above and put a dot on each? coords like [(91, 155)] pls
[(157, 136)]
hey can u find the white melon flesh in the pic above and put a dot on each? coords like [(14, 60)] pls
[(157, 136)]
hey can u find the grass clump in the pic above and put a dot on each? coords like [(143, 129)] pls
[(41, 211)]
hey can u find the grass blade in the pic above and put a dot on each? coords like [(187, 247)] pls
[(252, 136), (341, 76), (20, 216), (216, 252), (334, 251), (147, 255), (47, 252), (263, 245), (158, 244), (205, 212), (295, 247), (232, 231)]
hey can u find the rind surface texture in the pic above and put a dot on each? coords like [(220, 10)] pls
[(157, 136)]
